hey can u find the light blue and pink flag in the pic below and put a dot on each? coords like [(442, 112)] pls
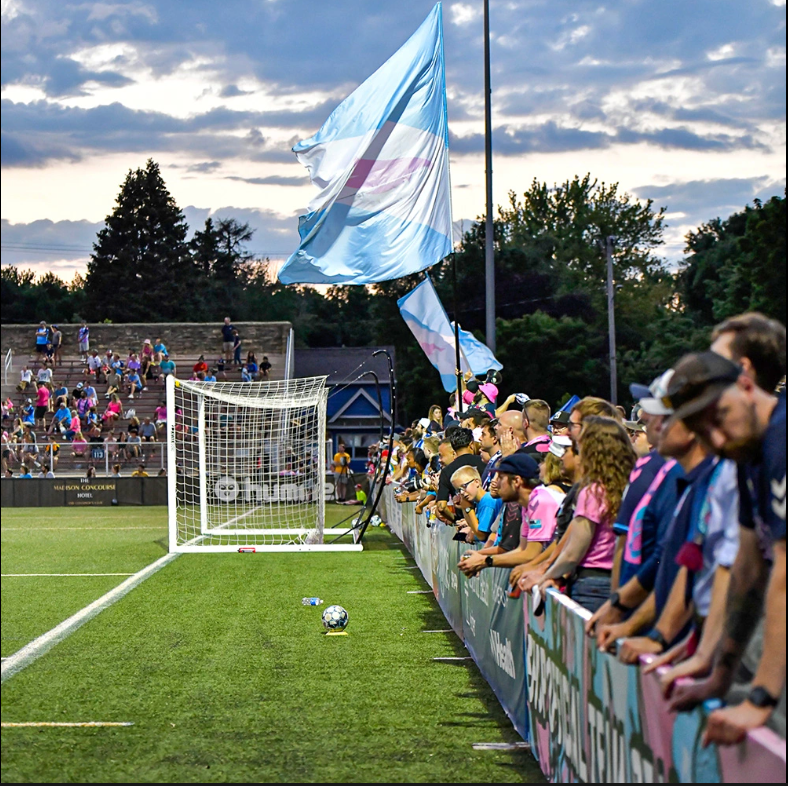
[(424, 314), (381, 162)]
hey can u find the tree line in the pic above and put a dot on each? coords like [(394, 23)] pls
[(550, 285)]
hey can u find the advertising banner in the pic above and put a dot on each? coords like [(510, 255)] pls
[(445, 577), (595, 720)]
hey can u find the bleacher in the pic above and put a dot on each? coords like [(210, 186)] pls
[(102, 458)]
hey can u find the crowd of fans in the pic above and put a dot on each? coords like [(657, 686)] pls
[(47, 419), (666, 523)]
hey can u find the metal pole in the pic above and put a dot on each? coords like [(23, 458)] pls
[(611, 319), (458, 364), (489, 247)]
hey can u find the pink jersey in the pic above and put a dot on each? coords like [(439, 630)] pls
[(539, 518), (42, 397), (592, 505)]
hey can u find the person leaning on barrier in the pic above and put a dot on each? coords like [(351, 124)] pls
[(742, 421), (479, 510)]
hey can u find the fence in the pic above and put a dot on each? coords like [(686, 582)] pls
[(101, 456), (589, 717)]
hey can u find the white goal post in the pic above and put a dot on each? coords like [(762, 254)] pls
[(245, 466)]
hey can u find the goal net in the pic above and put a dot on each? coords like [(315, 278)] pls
[(246, 465)]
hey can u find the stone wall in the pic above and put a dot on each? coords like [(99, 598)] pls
[(182, 339)]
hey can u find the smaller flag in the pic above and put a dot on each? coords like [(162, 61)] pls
[(424, 314)]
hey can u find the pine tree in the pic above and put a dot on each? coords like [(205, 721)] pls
[(140, 269)]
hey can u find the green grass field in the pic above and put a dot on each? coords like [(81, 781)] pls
[(225, 675)]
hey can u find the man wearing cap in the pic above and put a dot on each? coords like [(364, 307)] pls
[(742, 421), (560, 423), (42, 338), (517, 476)]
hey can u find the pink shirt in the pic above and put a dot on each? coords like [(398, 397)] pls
[(539, 518), (592, 505), (114, 406), (42, 397), (542, 443), (161, 413)]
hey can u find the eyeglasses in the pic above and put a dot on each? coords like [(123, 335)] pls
[(464, 486)]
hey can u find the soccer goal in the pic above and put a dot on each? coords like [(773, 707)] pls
[(246, 464)]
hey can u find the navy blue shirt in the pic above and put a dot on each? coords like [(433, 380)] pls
[(692, 491), (642, 475), (762, 484), (654, 523)]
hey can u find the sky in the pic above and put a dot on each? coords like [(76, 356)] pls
[(679, 102)]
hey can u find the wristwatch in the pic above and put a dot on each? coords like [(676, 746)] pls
[(655, 635), (761, 697), (615, 602), (488, 560)]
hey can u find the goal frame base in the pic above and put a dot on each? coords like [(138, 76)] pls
[(260, 549)]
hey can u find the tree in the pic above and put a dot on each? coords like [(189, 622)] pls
[(140, 269)]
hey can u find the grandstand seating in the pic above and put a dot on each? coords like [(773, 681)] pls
[(72, 371)]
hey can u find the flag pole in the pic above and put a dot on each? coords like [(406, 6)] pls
[(456, 332), (489, 226)]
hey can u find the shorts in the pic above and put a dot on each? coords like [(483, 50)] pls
[(41, 347), (227, 346), (84, 346), (41, 412)]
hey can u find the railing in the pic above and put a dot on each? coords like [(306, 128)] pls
[(9, 364), (101, 456)]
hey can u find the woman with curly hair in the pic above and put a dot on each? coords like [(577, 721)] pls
[(606, 460)]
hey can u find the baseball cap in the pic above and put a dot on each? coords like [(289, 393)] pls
[(519, 464), (651, 398), (521, 398), (424, 423), (699, 381), (489, 390), (79, 386), (635, 425), (561, 418), (559, 445)]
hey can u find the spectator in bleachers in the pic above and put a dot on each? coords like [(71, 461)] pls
[(113, 411), (265, 367), (251, 365), (200, 365), (42, 404), (116, 471), (210, 376), (134, 445), (236, 348), (45, 375), (83, 405), (161, 416), (29, 448), (61, 419), (93, 433), (57, 345), (25, 379), (83, 340), (60, 394), (161, 348), (90, 472), (134, 382), (227, 339), (146, 358), (29, 413), (117, 363), (245, 375), (49, 456), (79, 445), (95, 366), (42, 339), (167, 367), (24, 472), (75, 426), (114, 382), (140, 472), (148, 430)]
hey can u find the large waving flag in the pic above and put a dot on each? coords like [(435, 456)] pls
[(424, 314), (381, 162)]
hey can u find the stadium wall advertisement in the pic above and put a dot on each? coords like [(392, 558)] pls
[(558, 689)]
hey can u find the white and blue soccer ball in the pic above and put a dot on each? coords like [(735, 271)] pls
[(376, 521), (335, 618)]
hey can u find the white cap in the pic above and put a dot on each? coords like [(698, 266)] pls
[(425, 422), (654, 404), (559, 445)]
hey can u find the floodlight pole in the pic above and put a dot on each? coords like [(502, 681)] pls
[(611, 319), (489, 247)]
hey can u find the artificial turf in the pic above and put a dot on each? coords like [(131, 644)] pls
[(227, 677)]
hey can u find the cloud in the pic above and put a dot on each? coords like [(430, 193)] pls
[(271, 180)]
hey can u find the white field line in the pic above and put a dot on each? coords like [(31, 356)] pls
[(501, 746), (58, 575), (58, 724), (72, 529), (35, 649), (420, 592)]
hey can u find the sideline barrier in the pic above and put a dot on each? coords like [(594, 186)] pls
[(490, 624), (582, 730)]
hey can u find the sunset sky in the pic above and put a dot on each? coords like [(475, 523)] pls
[(680, 102)]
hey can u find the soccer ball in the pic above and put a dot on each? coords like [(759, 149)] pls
[(335, 618), (376, 521)]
